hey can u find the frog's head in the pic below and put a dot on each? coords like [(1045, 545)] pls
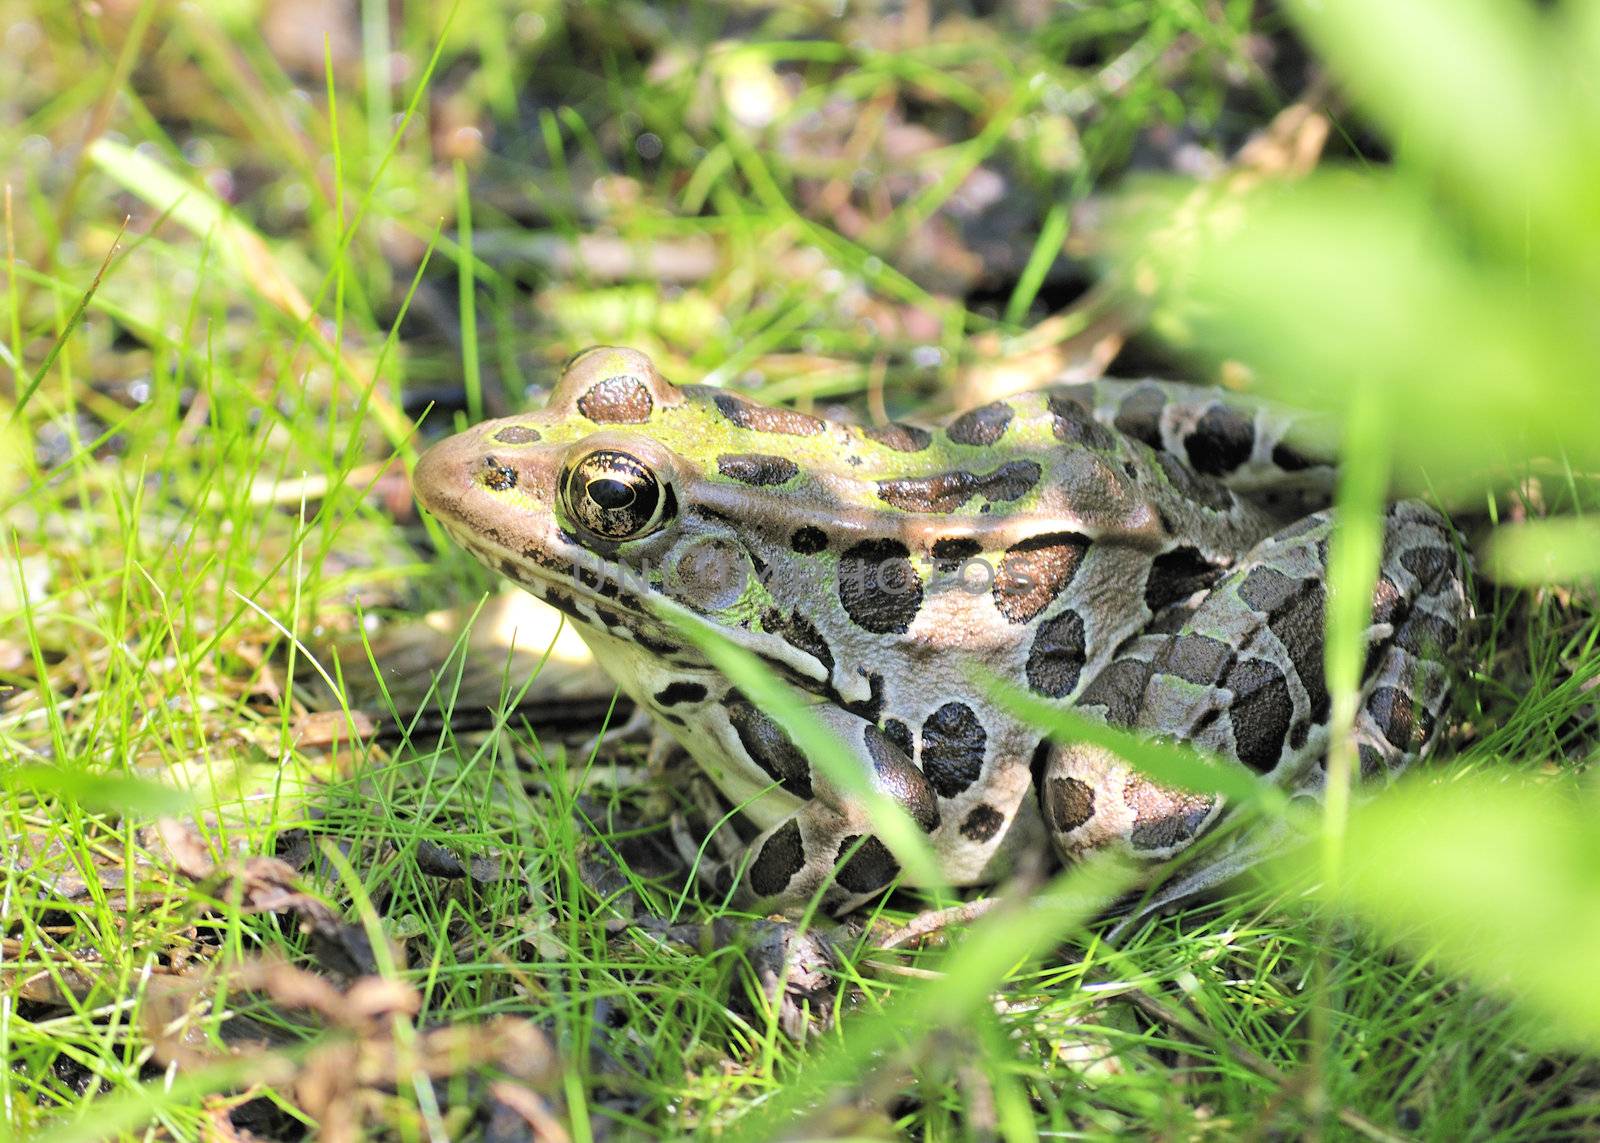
[(626, 492)]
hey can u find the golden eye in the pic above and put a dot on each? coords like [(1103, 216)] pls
[(614, 495)]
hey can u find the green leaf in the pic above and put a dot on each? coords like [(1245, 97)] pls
[(1496, 874), (1481, 94), (1338, 278), (98, 793), (1545, 551)]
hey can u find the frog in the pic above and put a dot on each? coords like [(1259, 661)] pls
[(1149, 553)]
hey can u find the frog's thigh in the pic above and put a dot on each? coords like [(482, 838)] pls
[(1242, 677), (1419, 611), (790, 861)]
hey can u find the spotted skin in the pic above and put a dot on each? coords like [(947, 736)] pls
[(1150, 553), (1239, 679)]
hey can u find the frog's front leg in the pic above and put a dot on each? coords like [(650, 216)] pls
[(827, 842), (1241, 676)]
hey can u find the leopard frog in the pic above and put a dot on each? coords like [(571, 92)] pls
[(1150, 553)]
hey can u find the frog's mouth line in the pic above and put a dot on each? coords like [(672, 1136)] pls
[(564, 586)]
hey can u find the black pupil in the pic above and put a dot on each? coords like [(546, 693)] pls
[(609, 493)]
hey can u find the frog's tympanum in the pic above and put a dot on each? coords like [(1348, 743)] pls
[(1148, 553)]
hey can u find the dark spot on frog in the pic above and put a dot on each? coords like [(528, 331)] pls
[(1162, 818), (953, 744), (871, 708), (1222, 440), (712, 514), (982, 823), (900, 735), (878, 586), (1057, 656), (1195, 658), (1386, 600), (517, 434), (1205, 491), (901, 438), (561, 601), (1289, 458), (1139, 416), (1371, 761), (952, 551), (1424, 635), (769, 748), (1298, 734), (947, 491), (541, 558), (1072, 424), (1406, 726), (765, 419), (1429, 565), (798, 631), (1260, 710), (1118, 689), (1267, 589), (757, 469), (869, 868), (497, 477), (1177, 575), (1205, 722), (981, 426), (621, 400), (656, 646), (1294, 609), (1068, 803), (899, 779), (808, 541), (680, 692), (1036, 570), (782, 856)]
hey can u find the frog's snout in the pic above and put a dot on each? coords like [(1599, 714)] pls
[(448, 473)]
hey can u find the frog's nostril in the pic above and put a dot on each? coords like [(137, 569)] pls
[(497, 477)]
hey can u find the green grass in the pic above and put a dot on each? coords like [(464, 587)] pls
[(207, 544)]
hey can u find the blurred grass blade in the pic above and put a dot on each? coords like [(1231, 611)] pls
[(1354, 553), (66, 331), (1495, 874), (1337, 277), (1479, 92), (1545, 552), (892, 825), (96, 793), (1163, 762)]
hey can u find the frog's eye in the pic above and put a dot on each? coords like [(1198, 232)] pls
[(615, 495)]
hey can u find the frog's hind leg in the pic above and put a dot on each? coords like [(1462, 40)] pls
[(1241, 677), (1419, 612)]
